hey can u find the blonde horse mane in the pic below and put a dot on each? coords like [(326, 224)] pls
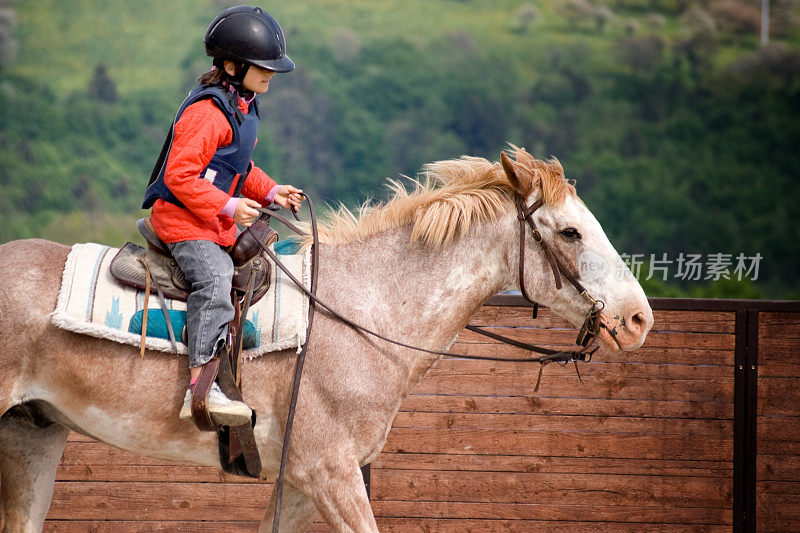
[(446, 200)]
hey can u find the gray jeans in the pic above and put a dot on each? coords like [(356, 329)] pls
[(209, 269)]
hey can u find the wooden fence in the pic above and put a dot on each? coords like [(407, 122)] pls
[(698, 430)]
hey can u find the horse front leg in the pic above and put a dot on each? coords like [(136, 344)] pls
[(337, 488), (297, 511), (29, 457)]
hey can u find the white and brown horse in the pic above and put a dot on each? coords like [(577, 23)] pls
[(413, 269)]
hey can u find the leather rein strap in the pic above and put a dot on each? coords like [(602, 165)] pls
[(298, 369)]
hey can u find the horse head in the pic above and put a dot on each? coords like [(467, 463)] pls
[(580, 251)]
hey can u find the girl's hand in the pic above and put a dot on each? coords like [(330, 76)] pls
[(288, 196), (246, 212)]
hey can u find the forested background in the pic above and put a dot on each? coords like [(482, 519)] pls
[(681, 129)]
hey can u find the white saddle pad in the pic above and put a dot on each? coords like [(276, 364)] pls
[(92, 302)]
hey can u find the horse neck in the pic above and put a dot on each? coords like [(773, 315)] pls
[(419, 294)]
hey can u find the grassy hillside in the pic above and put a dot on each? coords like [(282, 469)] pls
[(680, 129), (145, 43), (142, 42)]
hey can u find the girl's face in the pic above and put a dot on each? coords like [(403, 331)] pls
[(257, 79)]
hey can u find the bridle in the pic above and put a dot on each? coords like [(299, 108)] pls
[(587, 336), (591, 324)]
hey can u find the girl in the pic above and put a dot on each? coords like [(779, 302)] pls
[(204, 167)]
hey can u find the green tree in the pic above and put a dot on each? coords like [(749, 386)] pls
[(101, 87)]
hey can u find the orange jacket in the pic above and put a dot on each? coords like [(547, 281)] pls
[(200, 132)]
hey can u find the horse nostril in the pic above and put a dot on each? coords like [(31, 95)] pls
[(638, 322)]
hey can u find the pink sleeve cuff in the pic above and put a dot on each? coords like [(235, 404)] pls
[(230, 207), (271, 194)]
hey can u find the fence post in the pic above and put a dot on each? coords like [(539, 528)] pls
[(744, 421)]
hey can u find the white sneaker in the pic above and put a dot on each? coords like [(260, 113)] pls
[(223, 410)]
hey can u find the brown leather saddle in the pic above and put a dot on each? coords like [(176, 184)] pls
[(154, 270), (251, 265)]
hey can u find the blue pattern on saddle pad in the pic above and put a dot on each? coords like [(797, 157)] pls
[(114, 317), (290, 246), (157, 326)]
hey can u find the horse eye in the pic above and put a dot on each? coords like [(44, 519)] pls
[(571, 234)]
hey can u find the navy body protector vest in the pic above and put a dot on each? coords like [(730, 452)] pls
[(228, 162)]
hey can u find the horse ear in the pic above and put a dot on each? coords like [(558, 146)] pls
[(522, 182)]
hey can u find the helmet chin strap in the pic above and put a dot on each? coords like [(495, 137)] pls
[(236, 81), (241, 72)]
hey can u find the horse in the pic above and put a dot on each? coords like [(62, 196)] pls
[(414, 268)]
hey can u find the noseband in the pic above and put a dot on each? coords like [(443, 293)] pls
[(591, 324)]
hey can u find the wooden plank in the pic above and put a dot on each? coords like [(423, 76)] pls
[(788, 490), (771, 520), (416, 525), (778, 346), (456, 367), (556, 489), (146, 526), (778, 397), (778, 429), (688, 321), (566, 337), (600, 380), (689, 304), (125, 501), (522, 404), (600, 370), (779, 326), (643, 514), (684, 355), (682, 427), (777, 512), (778, 369), (558, 383), (95, 461), (781, 447), (776, 359), (517, 317), (695, 321), (553, 465), (781, 467), (558, 443), (90, 500), (143, 526)]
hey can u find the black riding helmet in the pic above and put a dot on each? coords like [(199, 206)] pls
[(248, 35)]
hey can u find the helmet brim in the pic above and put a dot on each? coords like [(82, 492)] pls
[(283, 64)]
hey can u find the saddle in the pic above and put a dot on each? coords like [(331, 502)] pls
[(154, 270), (132, 262)]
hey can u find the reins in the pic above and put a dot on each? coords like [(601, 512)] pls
[(549, 355), (301, 357), (587, 337)]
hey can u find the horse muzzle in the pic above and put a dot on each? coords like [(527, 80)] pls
[(625, 332)]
